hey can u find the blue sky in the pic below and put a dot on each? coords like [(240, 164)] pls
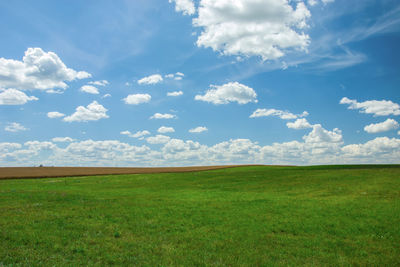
[(182, 82)]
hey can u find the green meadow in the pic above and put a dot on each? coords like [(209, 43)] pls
[(244, 216)]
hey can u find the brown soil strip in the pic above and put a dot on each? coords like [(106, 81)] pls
[(48, 172)]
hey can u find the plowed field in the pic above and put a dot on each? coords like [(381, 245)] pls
[(45, 172)]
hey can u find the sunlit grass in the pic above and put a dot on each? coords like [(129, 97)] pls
[(249, 216)]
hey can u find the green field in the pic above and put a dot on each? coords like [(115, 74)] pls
[(245, 216)]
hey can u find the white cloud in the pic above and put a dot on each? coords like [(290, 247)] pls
[(158, 139), (320, 146), (284, 115), (90, 89), (93, 112), (53, 91), (385, 126), (55, 114), (99, 83), (234, 150), (380, 149), (299, 124), (230, 92), (312, 2), (15, 127), (7, 147), (184, 151), (175, 93), (265, 28), (163, 116), (199, 129), (376, 107), (164, 129), (177, 76), (184, 6), (139, 134), (152, 79), (321, 135), (101, 153), (325, 147), (137, 99), (37, 70), (106, 95), (62, 140), (15, 97), (38, 146)]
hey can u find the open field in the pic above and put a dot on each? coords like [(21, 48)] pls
[(244, 216), (45, 172)]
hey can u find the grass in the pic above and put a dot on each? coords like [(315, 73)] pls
[(246, 216)]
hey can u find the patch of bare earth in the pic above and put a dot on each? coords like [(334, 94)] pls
[(46, 172)]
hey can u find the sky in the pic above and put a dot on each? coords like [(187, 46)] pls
[(204, 82)]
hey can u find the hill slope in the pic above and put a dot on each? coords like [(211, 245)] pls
[(249, 216)]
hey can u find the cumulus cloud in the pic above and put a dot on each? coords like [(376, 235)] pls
[(323, 147), (376, 107), (137, 99), (312, 2), (177, 76), (199, 129), (229, 92), (284, 115), (15, 97), (38, 70), (55, 114), (90, 89), (184, 6), (265, 28), (382, 149), (99, 153), (158, 139), (175, 93), (15, 127), (106, 95), (385, 126), (152, 79), (8, 147), (164, 129), (237, 150), (99, 83), (163, 116), (38, 145), (62, 140), (299, 124), (321, 135), (139, 134), (177, 149), (93, 112)]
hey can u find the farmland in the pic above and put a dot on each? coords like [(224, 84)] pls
[(45, 172), (242, 216)]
